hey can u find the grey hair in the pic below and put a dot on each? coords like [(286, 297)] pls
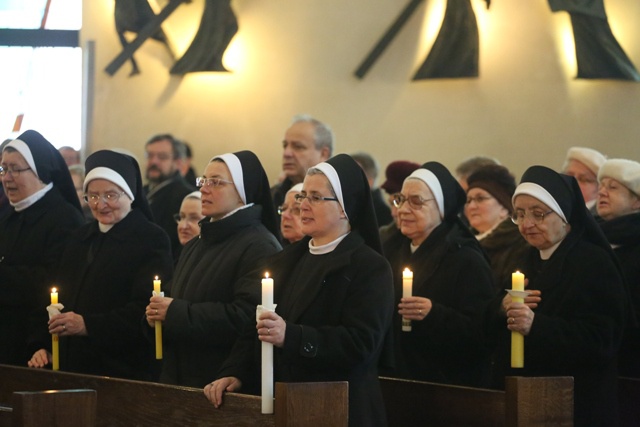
[(323, 134)]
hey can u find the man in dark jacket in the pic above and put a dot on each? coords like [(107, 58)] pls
[(166, 187)]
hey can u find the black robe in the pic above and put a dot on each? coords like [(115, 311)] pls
[(212, 303), (624, 235), (338, 308), (577, 326), (31, 244), (446, 347), (108, 279)]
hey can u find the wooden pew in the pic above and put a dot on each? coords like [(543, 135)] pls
[(134, 403), (54, 408), (546, 401)]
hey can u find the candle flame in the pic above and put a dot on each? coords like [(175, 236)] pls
[(407, 269), (266, 275), (156, 278), (54, 290)]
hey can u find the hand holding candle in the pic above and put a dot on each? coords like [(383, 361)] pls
[(158, 326), (267, 350), (407, 291), (517, 339), (55, 348)]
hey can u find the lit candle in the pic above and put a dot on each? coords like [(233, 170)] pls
[(407, 291), (55, 344), (267, 350), (158, 324), (517, 339)]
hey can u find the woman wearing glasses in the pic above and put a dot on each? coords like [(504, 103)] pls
[(452, 283), (209, 301), (488, 210), (106, 275), (43, 211), (289, 212), (573, 319), (334, 296)]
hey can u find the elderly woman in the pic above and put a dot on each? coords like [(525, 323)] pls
[(105, 276), (189, 217), (334, 297), (488, 211), (573, 319), (452, 283), (619, 207), (210, 303), (43, 211), (289, 211)]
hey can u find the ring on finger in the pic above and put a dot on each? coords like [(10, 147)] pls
[(156, 311), (268, 331)]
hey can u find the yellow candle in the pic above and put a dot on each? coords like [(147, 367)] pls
[(158, 324), (55, 344), (407, 291), (267, 351), (517, 339)]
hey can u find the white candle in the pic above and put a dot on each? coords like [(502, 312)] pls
[(267, 292), (407, 291), (267, 350)]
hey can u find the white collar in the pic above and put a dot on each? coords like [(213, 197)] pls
[(325, 249), (545, 254), (28, 201)]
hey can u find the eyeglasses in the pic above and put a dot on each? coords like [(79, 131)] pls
[(477, 199), (295, 210), (177, 218), (108, 198), (203, 181), (13, 172), (314, 199), (415, 202), (536, 217)]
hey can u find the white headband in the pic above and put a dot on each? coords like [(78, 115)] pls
[(334, 180), (540, 193), (111, 176), (433, 183), (235, 168), (296, 188), (22, 148)]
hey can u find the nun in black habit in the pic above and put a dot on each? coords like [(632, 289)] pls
[(209, 303), (573, 321), (106, 276), (44, 209), (452, 283), (334, 296)]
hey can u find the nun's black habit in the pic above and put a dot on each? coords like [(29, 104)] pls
[(337, 307), (578, 325), (211, 301), (31, 243), (451, 270), (107, 278)]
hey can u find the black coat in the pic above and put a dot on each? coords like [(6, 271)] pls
[(107, 278), (165, 200), (383, 211), (624, 235), (31, 244), (338, 309), (452, 271), (577, 326), (505, 248), (212, 303)]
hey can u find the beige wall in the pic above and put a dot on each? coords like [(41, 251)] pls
[(299, 56)]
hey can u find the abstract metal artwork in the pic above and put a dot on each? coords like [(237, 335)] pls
[(455, 52)]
